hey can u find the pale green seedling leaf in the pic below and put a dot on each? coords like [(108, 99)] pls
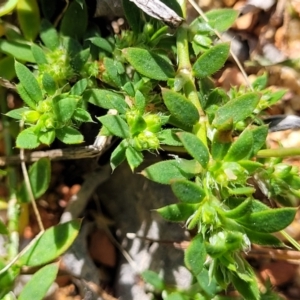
[(29, 82), (39, 177), (195, 255), (194, 147), (187, 191), (51, 244), (177, 212), (116, 125), (37, 287), (134, 157), (27, 139), (149, 64), (211, 61), (180, 107), (69, 135)]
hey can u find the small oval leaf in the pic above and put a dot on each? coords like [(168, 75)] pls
[(177, 212), (180, 107), (187, 191), (211, 61), (149, 64), (195, 255), (37, 287), (116, 125), (195, 147), (51, 244)]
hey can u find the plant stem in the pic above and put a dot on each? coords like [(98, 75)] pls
[(280, 152), (13, 208)]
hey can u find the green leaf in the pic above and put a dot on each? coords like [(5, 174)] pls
[(64, 108), (39, 177), (75, 21), (222, 19), (79, 87), (69, 135), (250, 166), (140, 101), (39, 284), (106, 99), (28, 82), (242, 148), (195, 255), (49, 84), (211, 61), (116, 125), (241, 210), (128, 88), (118, 155), (101, 43), (220, 144), (82, 115), (208, 285), (194, 147), (264, 239), (169, 137), (260, 82), (236, 110), (153, 279), (187, 191), (17, 113), (166, 171), (113, 75), (149, 64), (49, 35), (180, 107), (51, 244), (80, 59), (248, 289), (271, 220), (177, 212), (47, 137), (134, 158), (38, 54), (3, 229), (25, 96), (19, 51), (27, 139), (28, 14), (259, 137), (133, 16)]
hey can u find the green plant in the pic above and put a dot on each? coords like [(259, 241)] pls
[(158, 81)]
